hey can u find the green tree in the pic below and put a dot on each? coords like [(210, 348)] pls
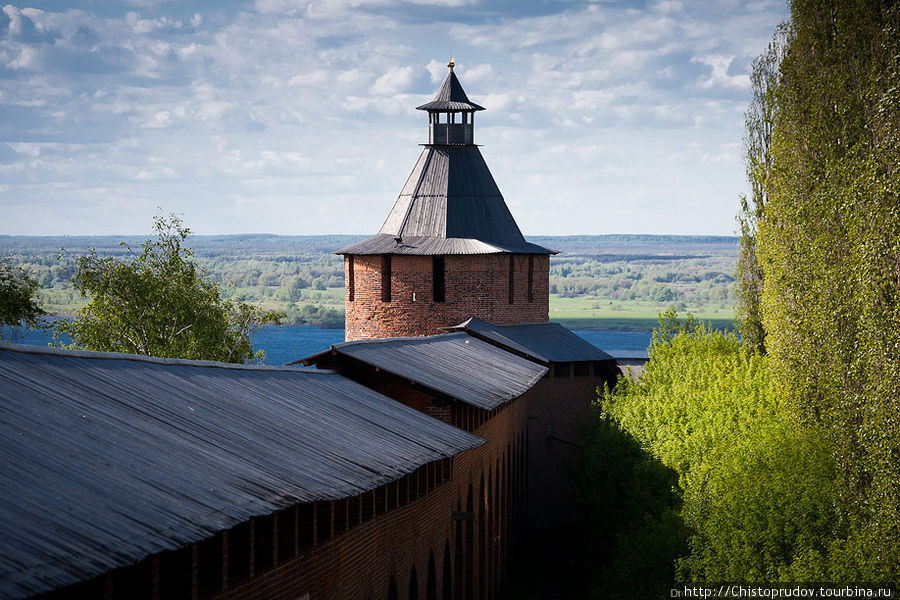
[(829, 246), (760, 122), (18, 297), (629, 522), (157, 303), (757, 492), (295, 287)]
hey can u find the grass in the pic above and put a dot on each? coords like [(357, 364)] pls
[(586, 312)]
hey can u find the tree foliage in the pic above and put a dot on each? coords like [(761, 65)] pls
[(18, 297), (829, 246), (157, 303), (629, 520), (756, 489), (788, 463), (760, 121)]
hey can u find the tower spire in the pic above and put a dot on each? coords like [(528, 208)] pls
[(451, 115)]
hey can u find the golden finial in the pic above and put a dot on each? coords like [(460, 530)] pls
[(451, 64)]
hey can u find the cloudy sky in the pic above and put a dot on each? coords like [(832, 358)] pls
[(297, 116)]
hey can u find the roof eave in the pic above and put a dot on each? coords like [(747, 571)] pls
[(441, 105), (384, 243)]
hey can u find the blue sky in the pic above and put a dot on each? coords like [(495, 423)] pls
[(297, 116)]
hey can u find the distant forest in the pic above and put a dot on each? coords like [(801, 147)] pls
[(604, 281)]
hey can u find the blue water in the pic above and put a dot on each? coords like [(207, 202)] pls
[(292, 342)]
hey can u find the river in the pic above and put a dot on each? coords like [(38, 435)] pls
[(291, 342)]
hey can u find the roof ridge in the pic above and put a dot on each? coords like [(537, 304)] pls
[(415, 338), (172, 362), (413, 197)]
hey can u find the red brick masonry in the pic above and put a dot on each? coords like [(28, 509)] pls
[(476, 286)]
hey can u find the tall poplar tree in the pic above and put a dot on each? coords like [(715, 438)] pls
[(760, 122), (829, 247)]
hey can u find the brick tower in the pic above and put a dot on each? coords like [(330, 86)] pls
[(449, 249)]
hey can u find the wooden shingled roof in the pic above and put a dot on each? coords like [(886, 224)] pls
[(543, 342), (110, 458), (385, 243), (449, 205)]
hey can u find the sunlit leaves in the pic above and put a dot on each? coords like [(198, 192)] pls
[(18, 296), (758, 491), (829, 248), (157, 303)]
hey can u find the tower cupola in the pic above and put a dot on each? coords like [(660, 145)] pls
[(451, 115)]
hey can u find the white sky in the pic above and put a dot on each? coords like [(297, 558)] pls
[(297, 116)]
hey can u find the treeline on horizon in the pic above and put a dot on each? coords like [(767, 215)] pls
[(774, 457), (303, 278)]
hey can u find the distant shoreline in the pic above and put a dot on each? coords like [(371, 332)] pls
[(614, 282), (630, 324), (586, 324)]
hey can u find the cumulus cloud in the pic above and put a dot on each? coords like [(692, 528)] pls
[(719, 72), (478, 74), (393, 82), (315, 8), (163, 24), (20, 25), (324, 8), (300, 104), (437, 70)]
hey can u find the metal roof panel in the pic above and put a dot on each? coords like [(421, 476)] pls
[(545, 342), (456, 365), (435, 246), (109, 458), (450, 204), (450, 96)]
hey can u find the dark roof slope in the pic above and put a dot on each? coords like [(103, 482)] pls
[(451, 96), (455, 365), (450, 204), (545, 342), (384, 243), (107, 459)]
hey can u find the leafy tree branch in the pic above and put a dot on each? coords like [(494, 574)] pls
[(159, 303)]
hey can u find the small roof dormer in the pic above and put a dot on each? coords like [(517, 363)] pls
[(451, 115)]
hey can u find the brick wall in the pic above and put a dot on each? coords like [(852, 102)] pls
[(473, 520), (558, 405), (476, 286), (462, 529), (458, 533)]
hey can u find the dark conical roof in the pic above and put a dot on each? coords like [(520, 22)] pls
[(451, 96), (449, 205), (451, 193)]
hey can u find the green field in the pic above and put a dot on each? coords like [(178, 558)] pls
[(586, 312)]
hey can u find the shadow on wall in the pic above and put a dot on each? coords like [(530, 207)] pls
[(627, 532)]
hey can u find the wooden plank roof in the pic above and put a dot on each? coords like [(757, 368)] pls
[(544, 342), (109, 458), (450, 204), (453, 365)]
